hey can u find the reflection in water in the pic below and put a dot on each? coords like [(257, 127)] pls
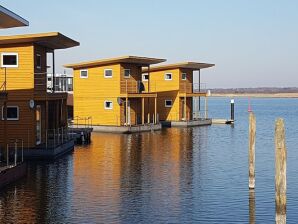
[(252, 206)]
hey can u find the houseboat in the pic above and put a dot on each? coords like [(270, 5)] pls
[(176, 87), (32, 114), (9, 170), (112, 92)]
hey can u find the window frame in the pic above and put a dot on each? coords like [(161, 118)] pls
[(143, 79), (38, 66), (9, 54), (84, 77), (168, 73), (169, 105), (126, 69), (104, 73), (108, 108), (183, 73), (11, 119)]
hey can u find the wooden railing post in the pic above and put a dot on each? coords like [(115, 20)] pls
[(251, 150), (280, 172)]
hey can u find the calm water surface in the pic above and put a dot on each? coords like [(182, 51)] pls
[(178, 175)]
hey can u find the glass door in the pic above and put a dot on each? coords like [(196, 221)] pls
[(38, 125)]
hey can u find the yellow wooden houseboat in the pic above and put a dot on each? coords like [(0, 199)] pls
[(112, 92), (31, 113), (176, 88)]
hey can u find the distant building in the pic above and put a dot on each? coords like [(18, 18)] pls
[(176, 89), (112, 91)]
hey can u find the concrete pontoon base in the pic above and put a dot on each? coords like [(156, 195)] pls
[(42, 152), (127, 129), (12, 173), (191, 123)]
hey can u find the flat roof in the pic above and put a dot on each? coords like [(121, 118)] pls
[(187, 65), (144, 61), (52, 40), (9, 19)]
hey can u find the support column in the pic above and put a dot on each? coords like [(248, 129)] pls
[(185, 116), (126, 111), (53, 71), (199, 89), (155, 110), (206, 107), (143, 111)]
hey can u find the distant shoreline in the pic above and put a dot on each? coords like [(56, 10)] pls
[(256, 95)]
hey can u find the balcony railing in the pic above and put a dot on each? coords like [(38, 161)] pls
[(133, 86), (187, 87), (45, 82)]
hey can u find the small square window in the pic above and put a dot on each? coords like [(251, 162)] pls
[(126, 73), (84, 74), (38, 61), (168, 76), (108, 105), (145, 77), (9, 60), (183, 76), (168, 103), (12, 113), (108, 73)]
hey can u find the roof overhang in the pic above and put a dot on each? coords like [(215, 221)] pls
[(53, 40), (9, 19), (142, 61), (183, 65)]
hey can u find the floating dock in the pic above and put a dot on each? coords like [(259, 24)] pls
[(191, 123), (222, 121)]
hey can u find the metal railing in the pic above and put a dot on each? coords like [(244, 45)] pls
[(56, 137), (84, 122), (44, 81), (14, 149)]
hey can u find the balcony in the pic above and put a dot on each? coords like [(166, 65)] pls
[(45, 82), (187, 87), (135, 87)]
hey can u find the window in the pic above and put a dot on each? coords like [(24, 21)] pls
[(183, 76), (108, 73), (168, 76), (83, 74), (9, 60), (12, 113), (145, 77), (168, 103), (126, 73), (38, 61), (108, 105)]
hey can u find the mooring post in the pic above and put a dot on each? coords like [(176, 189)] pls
[(251, 150), (280, 172), (232, 109), (252, 207)]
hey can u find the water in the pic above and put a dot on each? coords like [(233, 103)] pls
[(194, 175)]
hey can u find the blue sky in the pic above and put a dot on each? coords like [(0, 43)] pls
[(253, 43)]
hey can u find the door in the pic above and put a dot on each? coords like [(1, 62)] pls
[(127, 120), (38, 124), (183, 112)]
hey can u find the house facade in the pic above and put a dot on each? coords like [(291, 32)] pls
[(112, 91), (29, 111), (176, 87)]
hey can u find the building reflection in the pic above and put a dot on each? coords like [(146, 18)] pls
[(44, 197)]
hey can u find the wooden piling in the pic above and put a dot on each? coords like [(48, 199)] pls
[(251, 150), (252, 207), (280, 172)]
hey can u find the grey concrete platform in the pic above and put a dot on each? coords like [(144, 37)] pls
[(41, 152), (127, 129), (9, 174), (191, 123)]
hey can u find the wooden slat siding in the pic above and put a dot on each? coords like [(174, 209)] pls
[(90, 94), (159, 84), (22, 76), (136, 75), (19, 129), (189, 81), (135, 111), (40, 80)]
